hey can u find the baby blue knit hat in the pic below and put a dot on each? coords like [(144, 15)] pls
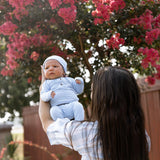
[(59, 59)]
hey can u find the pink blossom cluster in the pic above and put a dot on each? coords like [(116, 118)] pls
[(55, 3), (115, 41), (151, 57), (16, 50), (17, 47), (19, 6), (68, 13), (6, 71), (117, 5), (145, 20), (156, 22), (102, 13), (150, 80), (38, 40), (104, 8), (20, 3), (137, 40), (152, 35), (8, 28), (150, 24)]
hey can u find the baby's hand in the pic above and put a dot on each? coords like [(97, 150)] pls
[(53, 94), (78, 81)]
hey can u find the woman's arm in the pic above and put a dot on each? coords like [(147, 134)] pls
[(44, 114), (44, 109)]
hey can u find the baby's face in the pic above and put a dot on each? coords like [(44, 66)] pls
[(53, 69)]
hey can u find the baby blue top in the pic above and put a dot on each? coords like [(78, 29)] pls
[(65, 88)]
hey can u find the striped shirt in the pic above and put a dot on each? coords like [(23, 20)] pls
[(83, 137)]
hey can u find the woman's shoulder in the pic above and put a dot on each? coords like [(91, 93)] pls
[(81, 126), (71, 126)]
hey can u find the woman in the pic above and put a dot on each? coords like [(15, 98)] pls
[(116, 129)]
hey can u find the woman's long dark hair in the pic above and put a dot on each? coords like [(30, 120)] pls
[(117, 108)]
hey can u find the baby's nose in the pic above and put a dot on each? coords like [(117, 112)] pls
[(51, 68)]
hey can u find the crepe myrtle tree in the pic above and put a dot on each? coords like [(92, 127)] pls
[(88, 34)]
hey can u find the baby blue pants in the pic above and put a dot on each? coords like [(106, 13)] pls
[(73, 110)]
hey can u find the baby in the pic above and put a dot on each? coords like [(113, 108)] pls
[(61, 91)]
